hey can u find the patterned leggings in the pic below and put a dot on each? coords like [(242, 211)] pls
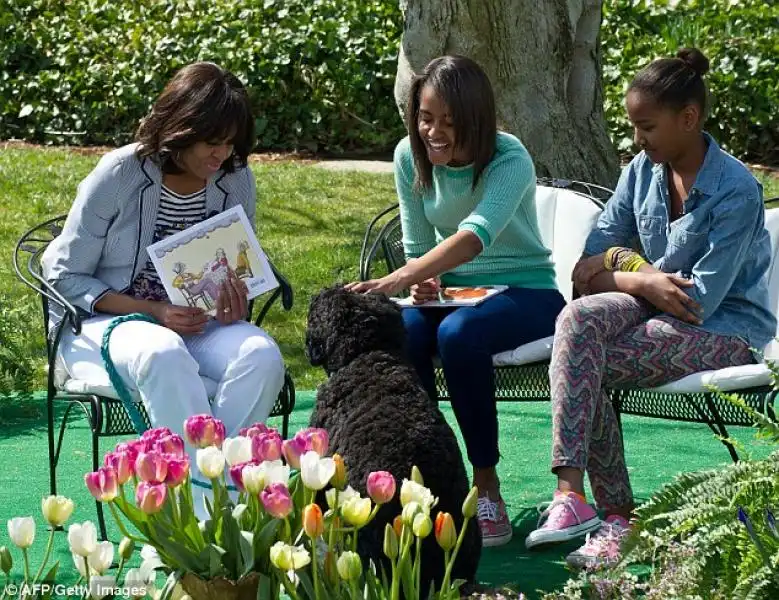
[(613, 340)]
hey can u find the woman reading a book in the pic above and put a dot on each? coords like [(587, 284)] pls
[(468, 215), (189, 162), (693, 298)]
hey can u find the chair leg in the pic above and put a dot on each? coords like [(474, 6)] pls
[(95, 427), (52, 457), (720, 428)]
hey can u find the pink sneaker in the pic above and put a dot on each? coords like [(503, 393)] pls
[(566, 518), (601, 548), (494, 522)]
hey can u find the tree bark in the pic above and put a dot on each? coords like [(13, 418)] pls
[(543, 59)]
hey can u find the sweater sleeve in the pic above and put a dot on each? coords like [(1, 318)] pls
[(506, 184), (418, 232)]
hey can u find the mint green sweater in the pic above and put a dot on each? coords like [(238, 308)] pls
[(501, 211)]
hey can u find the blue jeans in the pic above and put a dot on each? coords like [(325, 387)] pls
[(465, 339)]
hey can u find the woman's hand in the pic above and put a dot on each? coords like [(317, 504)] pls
[(184, 320), (425, 291), (663, 290), (585, 270), (389, 284), (232, 304)]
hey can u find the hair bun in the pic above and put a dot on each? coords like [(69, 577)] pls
[(695, 59)]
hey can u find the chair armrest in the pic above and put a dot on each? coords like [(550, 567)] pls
[(284, 291)]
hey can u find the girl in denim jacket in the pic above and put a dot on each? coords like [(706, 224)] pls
[(693, 297)]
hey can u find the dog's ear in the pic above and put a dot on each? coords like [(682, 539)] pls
[(315, 352)]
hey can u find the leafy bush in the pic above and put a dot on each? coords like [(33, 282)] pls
[(710, 534), (320, 72), (739, 39)]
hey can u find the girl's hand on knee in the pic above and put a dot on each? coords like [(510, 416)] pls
[(425, 291), (664, 291)]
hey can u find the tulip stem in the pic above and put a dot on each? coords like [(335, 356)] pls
[(289, 586), (26, 565), (124, 531), (46, 554), (450, 563), (417, 570), (314, 570)]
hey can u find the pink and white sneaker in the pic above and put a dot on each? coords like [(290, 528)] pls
[(566, 518), (603, 547), (494, 522)]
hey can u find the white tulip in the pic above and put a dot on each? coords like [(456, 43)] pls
[(343, 496), (21, 530), (286, 557), (100, 586), (237, 450), (82, 538), (81, 564), (275, 472), (57, 509), (100, 560), (316, 472), (253, 478), (211, 462), (136, 583), (411, 491)]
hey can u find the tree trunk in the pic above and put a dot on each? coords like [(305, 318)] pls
[(543, 59)]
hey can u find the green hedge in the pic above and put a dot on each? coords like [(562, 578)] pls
[(321, 72), (742, 43)]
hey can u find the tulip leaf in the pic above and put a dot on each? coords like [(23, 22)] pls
[(262, 543), (247, 554), (305, 581), (50, 577), (267, 588), (170, 584), (230, 539)]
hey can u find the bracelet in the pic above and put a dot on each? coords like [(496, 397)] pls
[(633, 264)]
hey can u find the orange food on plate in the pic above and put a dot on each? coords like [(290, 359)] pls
[(466, 293)]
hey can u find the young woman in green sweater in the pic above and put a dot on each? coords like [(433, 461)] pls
[(468, 215)]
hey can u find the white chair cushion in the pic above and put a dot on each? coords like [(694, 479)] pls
[(565, 219), (726, 380), (525, 354), (104, 388)]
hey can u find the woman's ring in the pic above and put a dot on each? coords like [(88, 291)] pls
[(226, 310)]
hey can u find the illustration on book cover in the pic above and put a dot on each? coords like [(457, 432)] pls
[(193, 263)]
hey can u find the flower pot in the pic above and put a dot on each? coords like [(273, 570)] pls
[(220, 588)]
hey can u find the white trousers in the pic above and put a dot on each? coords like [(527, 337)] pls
[(165, 370)]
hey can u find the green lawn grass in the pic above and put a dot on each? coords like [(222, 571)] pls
[(310, 221)]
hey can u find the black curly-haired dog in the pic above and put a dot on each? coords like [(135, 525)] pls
[(380, 418)]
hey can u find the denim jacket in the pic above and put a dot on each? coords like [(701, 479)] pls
[(102, 246), (720, 241)]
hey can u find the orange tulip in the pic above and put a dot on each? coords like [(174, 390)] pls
[(445, 532), (313, 522)]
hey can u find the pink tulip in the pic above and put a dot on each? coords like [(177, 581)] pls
[(236, 474), (131, 448), (102, 484), (151, 466), (178, 469), (293, 449), (150, 496), (316, 439), (204, 430), (276, 500), (381, 486), (170, 444), (120, 463), (155, 434), (266, 446), (255, 429)]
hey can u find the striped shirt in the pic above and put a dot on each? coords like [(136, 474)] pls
[(176, 213)]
